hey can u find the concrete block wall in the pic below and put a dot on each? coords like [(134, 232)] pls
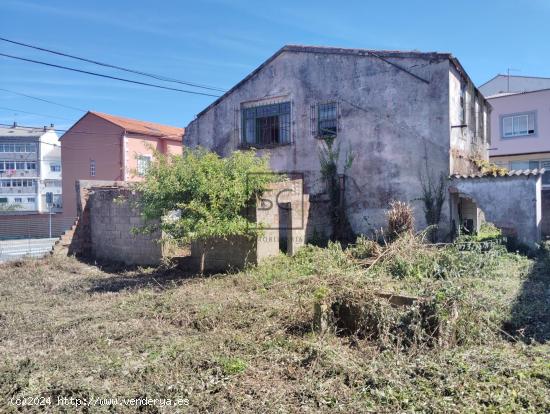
[(512, 203), (113, 219), (108, 217), (223, 254)]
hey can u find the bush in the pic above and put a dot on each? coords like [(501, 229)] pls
[(364, 248), (400, 218)]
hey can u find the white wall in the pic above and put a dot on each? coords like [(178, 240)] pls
[(50, 154)]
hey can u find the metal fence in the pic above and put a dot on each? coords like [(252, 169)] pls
[(30, 235)]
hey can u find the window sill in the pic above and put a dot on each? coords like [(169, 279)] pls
[(534, 135), (260, 147)]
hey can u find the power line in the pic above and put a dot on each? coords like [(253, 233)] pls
[(34, 113), (62, 131), (43, 100), (95, 62), (108, 76)]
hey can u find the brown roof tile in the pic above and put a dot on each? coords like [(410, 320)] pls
[(143, 127)]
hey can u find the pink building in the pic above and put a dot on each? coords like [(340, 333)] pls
[(520, 128), (107, 147)]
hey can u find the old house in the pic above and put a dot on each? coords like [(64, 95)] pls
[(111, 148), (407, 118)]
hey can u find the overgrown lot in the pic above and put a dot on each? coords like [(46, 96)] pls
[(244, 342)]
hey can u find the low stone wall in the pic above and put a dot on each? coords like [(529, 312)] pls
[(113, 220), (223, 254), (108, 219)]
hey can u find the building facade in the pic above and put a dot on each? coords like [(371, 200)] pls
[(405, 118), (106, 147), (521, 132), (521, 128), (30, 167)]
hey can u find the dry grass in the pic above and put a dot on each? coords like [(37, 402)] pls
[(243, 342)]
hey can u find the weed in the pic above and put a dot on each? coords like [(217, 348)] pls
[(232, 366), (400, 218)]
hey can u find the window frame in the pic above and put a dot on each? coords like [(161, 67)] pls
[(250, 123), (463, 105), (92, 168), (139, 159), (513, 116), (539, 162), (319, 133)]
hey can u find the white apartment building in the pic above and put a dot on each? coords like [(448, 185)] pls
[(30, 167)]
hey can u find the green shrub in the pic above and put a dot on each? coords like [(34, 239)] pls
[(232, 366), (364, 248)]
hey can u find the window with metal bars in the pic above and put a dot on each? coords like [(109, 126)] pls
[(327, 120), (266, 125)]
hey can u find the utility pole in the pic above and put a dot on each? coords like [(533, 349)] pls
[(49, 201)]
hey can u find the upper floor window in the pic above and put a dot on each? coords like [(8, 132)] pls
[(18, 147), (518, 125), (55, 167), (266, 125), (143, 162), (531, 165), (19, 165), (462, 113), (92, 168), (327, 120)]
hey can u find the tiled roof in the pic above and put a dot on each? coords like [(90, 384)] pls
[(511, 173), (143, 127)]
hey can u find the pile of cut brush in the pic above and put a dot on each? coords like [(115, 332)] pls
[(421, 295)]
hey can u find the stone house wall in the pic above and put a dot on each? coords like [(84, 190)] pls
[(396, 121)]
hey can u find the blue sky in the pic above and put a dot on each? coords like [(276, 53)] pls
[(218, 42)]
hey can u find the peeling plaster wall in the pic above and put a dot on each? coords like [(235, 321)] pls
[(391, 121), (465, 142), (512, 203)]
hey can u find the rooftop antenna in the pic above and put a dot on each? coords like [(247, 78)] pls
[(508, 77)]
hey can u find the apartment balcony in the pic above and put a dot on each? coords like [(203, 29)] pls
[(19, 174), (17, 156), (18, 190)]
